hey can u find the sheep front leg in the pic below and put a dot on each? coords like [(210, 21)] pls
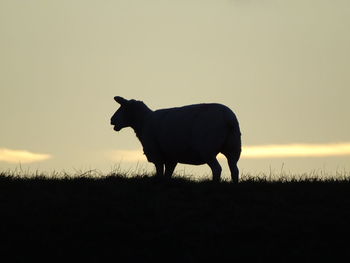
[(159, 169), (169, 169)]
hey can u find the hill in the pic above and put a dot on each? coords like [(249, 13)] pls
[(178, 220)]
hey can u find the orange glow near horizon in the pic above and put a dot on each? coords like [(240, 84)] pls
[(21, 156), (296, 150), (261, 152)]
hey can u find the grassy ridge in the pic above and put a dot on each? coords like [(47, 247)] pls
[(144, 218)]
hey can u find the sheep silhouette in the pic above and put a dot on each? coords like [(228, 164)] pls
[(193, 134)]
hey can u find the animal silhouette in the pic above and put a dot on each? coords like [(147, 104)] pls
[(193, 134)]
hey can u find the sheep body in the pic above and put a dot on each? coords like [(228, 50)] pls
[(192, 134)]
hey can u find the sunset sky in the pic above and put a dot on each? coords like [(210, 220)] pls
[(282, 66)]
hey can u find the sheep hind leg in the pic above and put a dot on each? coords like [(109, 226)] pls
[(169, 169), (216, 169), (232, 164), (234, 170)]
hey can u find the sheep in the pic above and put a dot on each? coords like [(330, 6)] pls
[(193, 134)]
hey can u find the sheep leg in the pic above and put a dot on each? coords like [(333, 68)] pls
[(233, 169), (232, 160), (159, 169), (169, 169), (216, 169)]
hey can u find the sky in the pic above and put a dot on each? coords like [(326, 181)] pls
[(281, 66)]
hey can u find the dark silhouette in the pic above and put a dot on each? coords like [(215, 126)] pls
[(96, 218), (193, 134)]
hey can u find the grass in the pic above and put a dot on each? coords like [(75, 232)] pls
[(141, 218)]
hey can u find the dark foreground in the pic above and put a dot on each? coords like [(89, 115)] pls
[(146, 220)]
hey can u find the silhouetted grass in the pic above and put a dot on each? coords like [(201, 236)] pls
[(142, 218)]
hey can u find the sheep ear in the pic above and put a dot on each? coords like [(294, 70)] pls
[(120, 100)]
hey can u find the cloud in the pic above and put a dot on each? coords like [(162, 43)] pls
[(22, 156), (259, 152), (296, 150)]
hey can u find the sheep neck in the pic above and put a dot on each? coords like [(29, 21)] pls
[(139, 125)]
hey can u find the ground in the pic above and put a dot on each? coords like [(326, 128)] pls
[(144, 218)]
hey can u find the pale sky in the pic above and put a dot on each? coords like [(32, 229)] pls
[(283, 66)]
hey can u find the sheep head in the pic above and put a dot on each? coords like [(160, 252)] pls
[(129, 114)]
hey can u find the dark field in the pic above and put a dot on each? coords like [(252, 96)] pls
[(144, 219)]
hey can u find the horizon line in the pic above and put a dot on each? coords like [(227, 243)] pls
[(291, 150)]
